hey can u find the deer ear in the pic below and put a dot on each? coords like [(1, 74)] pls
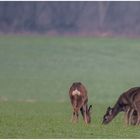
[(89, 107), (110, 111), (109, 108)]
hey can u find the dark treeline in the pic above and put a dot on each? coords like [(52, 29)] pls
[(73, 16)]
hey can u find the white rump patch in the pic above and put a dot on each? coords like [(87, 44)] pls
[(76, 92)]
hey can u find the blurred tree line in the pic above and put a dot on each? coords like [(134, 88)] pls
[(70, 16)]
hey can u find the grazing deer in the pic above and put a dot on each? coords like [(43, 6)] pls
[(128, 102), (79, 99)]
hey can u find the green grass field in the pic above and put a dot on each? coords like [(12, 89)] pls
[(37, 71)]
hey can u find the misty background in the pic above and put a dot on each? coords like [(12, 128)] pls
[(66, 17)]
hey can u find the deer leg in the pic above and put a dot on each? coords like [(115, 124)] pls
[(126, 116), (82, 112), (73, 117), (77, 116), (134, 117), (85, 114), (138, 118), (130, 116), (137, 108)]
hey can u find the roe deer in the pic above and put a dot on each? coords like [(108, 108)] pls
[(79, 99), (128, 102)]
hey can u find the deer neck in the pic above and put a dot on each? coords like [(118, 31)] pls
[(116, 109)]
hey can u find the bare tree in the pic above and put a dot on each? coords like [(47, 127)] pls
[(103, 7)]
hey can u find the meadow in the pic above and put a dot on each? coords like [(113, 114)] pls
[(37, 71)]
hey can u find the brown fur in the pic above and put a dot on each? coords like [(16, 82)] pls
[(128, 102), (79, 99)]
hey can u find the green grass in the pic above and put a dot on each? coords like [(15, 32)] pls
[(37, 71)]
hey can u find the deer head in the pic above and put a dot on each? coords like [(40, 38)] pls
[(108, 116)]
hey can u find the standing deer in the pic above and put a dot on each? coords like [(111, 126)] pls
[(79, 99), (128, 102)]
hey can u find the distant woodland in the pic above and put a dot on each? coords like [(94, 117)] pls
[(119, 17)]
